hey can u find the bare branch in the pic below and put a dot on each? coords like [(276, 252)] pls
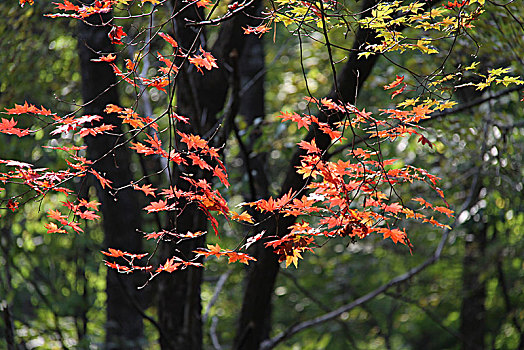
[(218, 288)]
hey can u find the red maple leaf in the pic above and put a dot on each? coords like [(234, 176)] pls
[(53, 228), (424, 141), (146, 189), (205, 60), (310, 147), (169, 39), (115, 253), (106, 58), (303, 121), (116, 34), (8, 127), (103, 181), (161, 205), (88, 215), (395, 83), (12, 204), (192, 141), (199, 162), (396, 235)]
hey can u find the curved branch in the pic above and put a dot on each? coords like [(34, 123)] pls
[(272, 342)]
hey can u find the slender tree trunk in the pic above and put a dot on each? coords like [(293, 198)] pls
[(120, 212), (473, 311)]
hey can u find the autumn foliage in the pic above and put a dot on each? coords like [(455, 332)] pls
[(353, 196)]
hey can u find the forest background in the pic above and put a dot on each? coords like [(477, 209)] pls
[(460, 285)]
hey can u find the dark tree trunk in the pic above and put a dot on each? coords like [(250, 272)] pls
[(120, 211), (200, 98), (473, 311)]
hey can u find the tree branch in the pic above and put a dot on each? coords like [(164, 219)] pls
[(272, 342)]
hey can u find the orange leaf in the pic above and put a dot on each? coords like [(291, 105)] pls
[(169, 39), (103, 181), (146, 189)]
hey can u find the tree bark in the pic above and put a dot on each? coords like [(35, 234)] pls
[(473, 310), (120, 211)]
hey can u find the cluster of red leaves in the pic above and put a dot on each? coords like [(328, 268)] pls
[(260, 30), (161, 81), (84, 11), (129, 259), (82, 210), (338, 188), (215, 250), (347, 198), (43, 180)]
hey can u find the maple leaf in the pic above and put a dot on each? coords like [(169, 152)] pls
[(399, 91), (67, 6), (180, 118), (146, 189), (111, 108), (141, 148), (170, 68), (266, 205), (169, 39), (192, 141), (15, 163), (90, 205), (205, 60), (199, 162), (242, 217), (261, 30), (159, 83), (56, 215), (53, 228), (396, 235), (12, 204), (253, 239), (161, 205), (154, 235), (114, 253), (176, 157), (241, 257), (19, 109), (75, 226), (293, 258), (395, 83), (309, 147), (8, 127), (103, 181), (95, 131), (130, 65), (222, 176), (422, 202), (107, 58), (444, 210), (394, 208), (119, 268), (424, 141), (203, 3), (88, 215), (169, 266), (301, 121), (116, 34)]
